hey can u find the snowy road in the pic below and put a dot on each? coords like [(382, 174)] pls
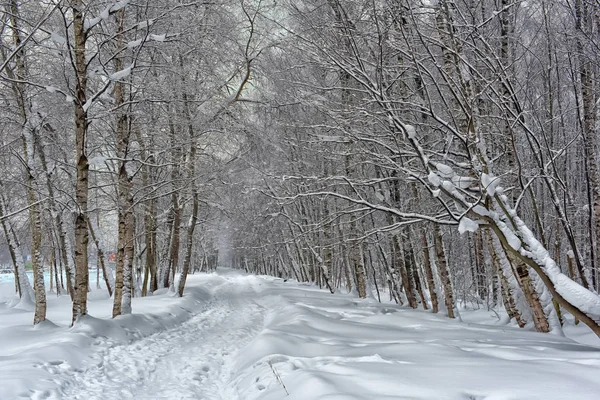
[(191, 361), (241, 337)]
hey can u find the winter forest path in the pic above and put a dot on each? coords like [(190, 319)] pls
[(191, 361), (260, 338)]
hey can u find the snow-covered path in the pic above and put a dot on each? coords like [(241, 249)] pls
[(191, 361), (241, 337)]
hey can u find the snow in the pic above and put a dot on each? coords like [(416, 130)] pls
[(411, 132), (104, 14), (124, 73), (512, 239), (235, 336), (89, 23), (332, 138), (489, 183), (97, 161), (449, 187), (119, 5), (434, 179), (134, 43), (88, 104), (58, 39), (580, 297), (444, 170), (145, 24), (462, 182), (158, 38), (480, 210), (467, 225)]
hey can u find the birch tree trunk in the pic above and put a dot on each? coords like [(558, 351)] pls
[(81, 284), (175, 212), (583, 27), (442, 265), (429, 273), (19, 76), (125, 240), (191, 167)]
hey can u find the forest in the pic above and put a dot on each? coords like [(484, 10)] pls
[(432, 153)]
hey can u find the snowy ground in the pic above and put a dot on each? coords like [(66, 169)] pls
[(235, 337)]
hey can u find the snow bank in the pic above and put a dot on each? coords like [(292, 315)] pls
[(321, 346)]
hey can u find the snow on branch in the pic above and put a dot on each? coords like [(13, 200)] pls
[(124, 73), (89, 23)]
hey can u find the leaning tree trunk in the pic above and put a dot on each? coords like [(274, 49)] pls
[(507, 287), (102, 261)]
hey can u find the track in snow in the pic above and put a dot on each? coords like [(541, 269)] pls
[(191, 361)]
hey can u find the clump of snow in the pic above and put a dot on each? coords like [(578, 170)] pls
[(331, 138), (89, 23), (434, 179), (512, 239), (467, 225), (134, 43), (119, 5), (105, 13), (489, 183), (480, 210), (158, 38), (445, 171), (87, 104), (449, 186), (462, 182), (145, 24), (124, 73), (411, 132)]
